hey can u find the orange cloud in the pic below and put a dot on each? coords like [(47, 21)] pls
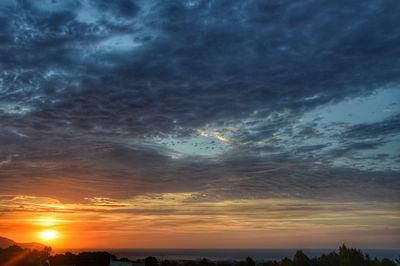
[(154, 219)]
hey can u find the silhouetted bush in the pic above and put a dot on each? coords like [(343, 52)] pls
[(169, 263), (15, 255), (345, 257), (151, 261)]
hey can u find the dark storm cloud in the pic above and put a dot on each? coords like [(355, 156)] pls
[(85, 84), (193, 59)]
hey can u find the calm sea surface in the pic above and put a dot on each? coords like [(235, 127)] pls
[(229, 254)]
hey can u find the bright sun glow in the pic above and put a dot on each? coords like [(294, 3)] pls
[(46, 221), (48, 234)]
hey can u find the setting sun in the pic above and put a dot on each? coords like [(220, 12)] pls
[(48, 234)]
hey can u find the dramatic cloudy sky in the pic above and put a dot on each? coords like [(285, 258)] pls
[(201, 123)]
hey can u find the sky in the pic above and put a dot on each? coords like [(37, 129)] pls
[(200, 123)]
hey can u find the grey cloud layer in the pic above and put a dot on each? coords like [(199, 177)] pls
[(192, 60), (80, 79)]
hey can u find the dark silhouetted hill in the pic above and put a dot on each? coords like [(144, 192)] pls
[(5, 243)]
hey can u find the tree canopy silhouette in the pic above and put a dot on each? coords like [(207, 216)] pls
[(17, 256)]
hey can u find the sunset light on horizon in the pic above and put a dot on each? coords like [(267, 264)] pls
[(199, 124), (152, 221)]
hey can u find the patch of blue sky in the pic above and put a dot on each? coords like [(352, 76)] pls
[(12, 108), (369, 109)]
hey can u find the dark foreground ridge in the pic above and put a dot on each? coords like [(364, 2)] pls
[(18, 256)]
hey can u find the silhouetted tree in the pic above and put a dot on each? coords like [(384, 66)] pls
[(286, 262), (271, 263), (387, 262), (165, 263), (93, 259), (206, 262), (151, 261), (18, 256), (250, 262), (332, 259), (190, 263), (15, 255), (301, 259), (224, 263), (350, 257)]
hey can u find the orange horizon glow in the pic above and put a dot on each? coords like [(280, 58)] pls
[(165, 221)]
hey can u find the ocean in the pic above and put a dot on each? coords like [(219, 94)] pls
[(228, 254)]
